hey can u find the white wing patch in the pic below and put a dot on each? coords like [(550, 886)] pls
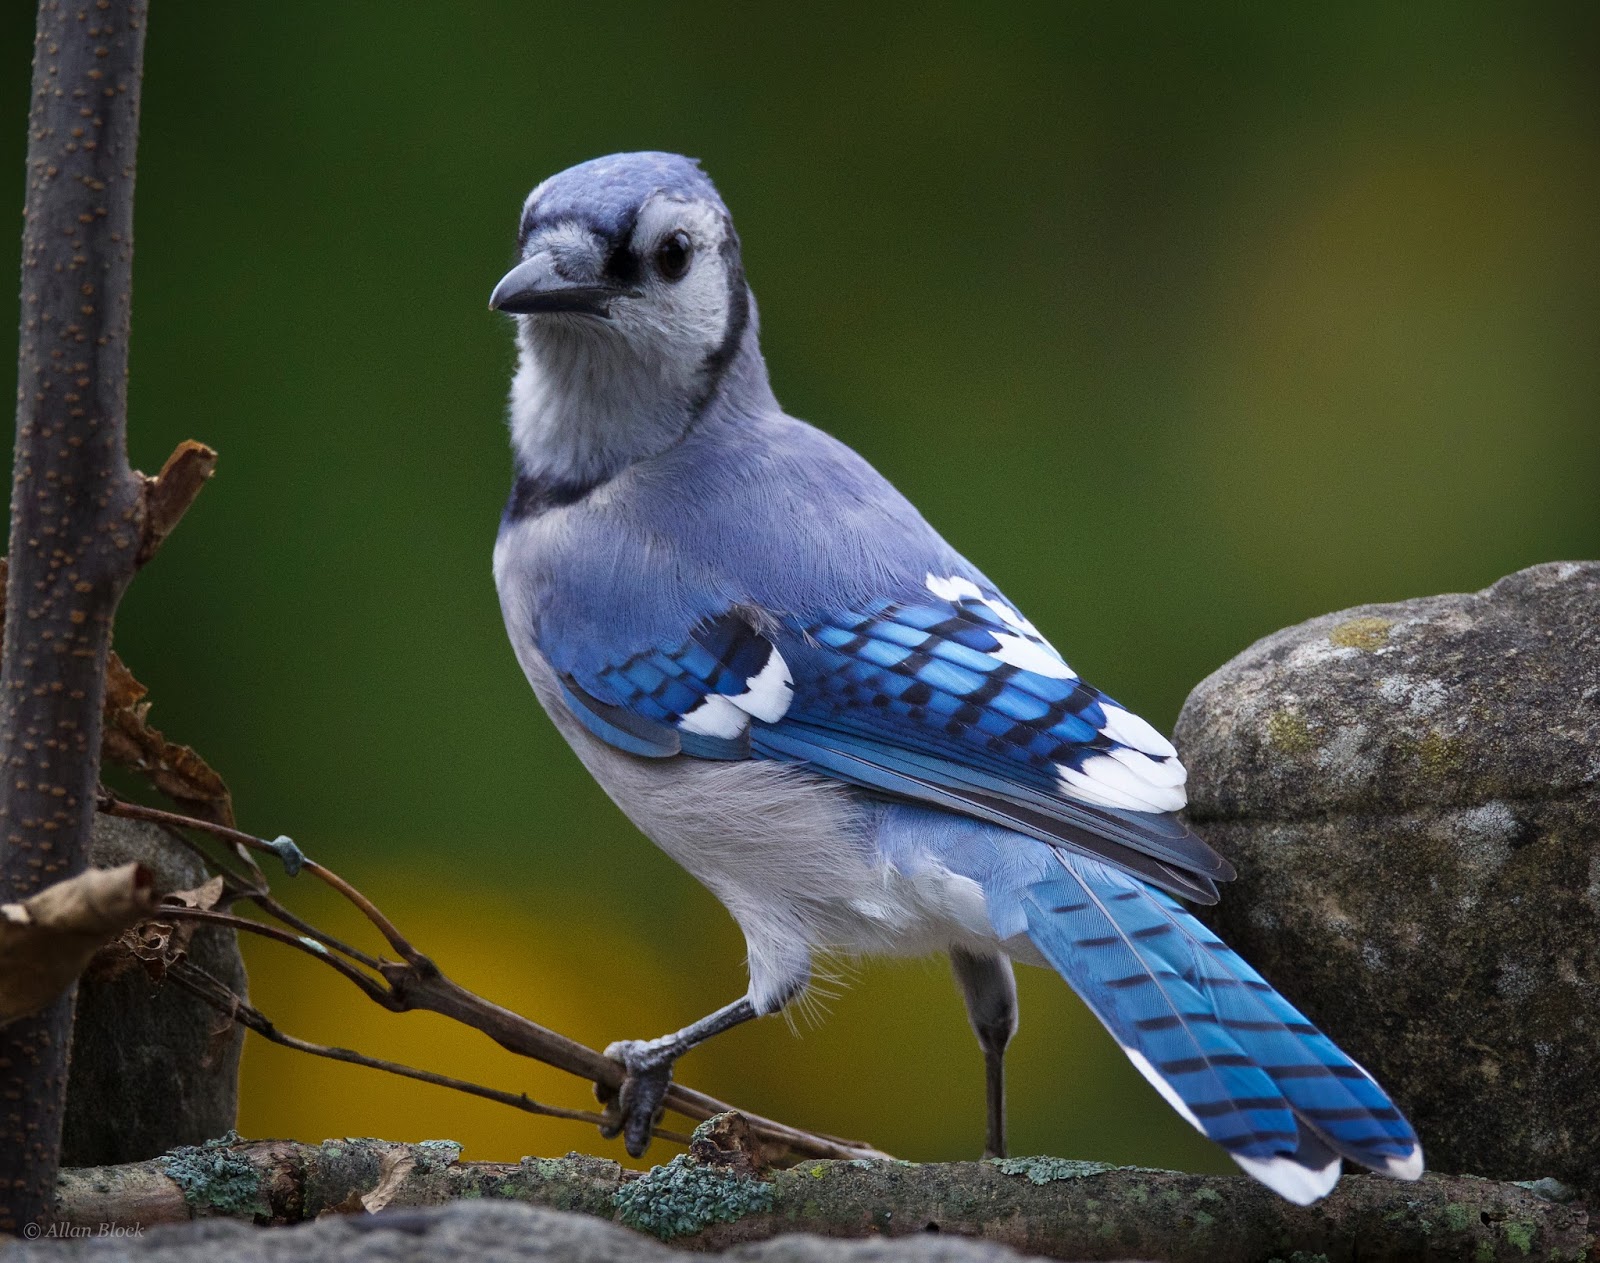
[(766, 696), (715, 716), (1032, 655), (769, 692), (1141, 773), (1027, 649), (1109, 783), (1125, 727)]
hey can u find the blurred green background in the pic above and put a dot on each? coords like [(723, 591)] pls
[(1184, 322)]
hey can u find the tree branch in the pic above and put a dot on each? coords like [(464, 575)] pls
[(169, 494), (201, 984), (76, 511), (415, 982), (709, 1200)]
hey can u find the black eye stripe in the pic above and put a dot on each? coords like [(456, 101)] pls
[(623, 265)]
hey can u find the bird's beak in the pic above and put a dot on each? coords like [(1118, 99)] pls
[(535, 286)]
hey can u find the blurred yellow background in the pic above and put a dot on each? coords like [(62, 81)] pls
[(1183, 322)]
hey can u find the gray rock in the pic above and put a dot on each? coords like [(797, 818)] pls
[(146, 1074), (482, 1231), (1411, 793), (923, 1248)]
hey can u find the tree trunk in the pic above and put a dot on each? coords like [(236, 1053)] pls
[(76, 517)]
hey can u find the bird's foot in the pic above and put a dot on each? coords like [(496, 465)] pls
[(632, 1110)]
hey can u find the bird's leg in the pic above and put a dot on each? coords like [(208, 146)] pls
[(637, 1104), (990, 991)]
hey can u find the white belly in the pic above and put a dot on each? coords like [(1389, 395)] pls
[(792, 855)]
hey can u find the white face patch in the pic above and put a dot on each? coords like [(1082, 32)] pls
[(685, 318), (590, 395)]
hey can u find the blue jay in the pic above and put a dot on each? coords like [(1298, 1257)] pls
[(798, 690)]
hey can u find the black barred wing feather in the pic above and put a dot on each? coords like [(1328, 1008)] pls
[(954, 700)]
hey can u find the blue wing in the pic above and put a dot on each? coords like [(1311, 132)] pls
[(949, 698)]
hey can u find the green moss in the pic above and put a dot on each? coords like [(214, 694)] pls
[(1289, 732), (682, 1197), (1458, 1218), (1048, 1170), (1362, 633), (213, 1177), (1520, 1232), (1439, 755)]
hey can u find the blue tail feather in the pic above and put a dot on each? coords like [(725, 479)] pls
[(1240, 1062)]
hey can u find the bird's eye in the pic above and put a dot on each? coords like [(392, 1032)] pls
[(672, 255)]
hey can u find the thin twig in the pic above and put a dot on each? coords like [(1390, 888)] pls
[(417, 983), (222, 998), (373, 989), (115, 806), (272, 907)]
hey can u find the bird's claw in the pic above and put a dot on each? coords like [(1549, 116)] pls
[(632, 1110)]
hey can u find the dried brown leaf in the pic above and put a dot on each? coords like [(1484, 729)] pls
[(130, 740), (46, 941), (397, 1164), (219, 1037)]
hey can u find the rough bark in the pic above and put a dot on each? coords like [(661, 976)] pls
[(76, 516), (1045, 1206), (152, 1066)]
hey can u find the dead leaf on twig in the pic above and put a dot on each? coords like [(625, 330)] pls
[(46, 941), (129, 741), (133, 742), (160, 944)]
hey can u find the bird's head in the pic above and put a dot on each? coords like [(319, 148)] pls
[(636, 249), (631, 306)]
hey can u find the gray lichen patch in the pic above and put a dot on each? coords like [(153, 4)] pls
[(214, 1178), (682, 1198), (1047, 1170), (435, 1155)]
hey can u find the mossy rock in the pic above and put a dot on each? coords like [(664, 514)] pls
[(1411, 794)]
